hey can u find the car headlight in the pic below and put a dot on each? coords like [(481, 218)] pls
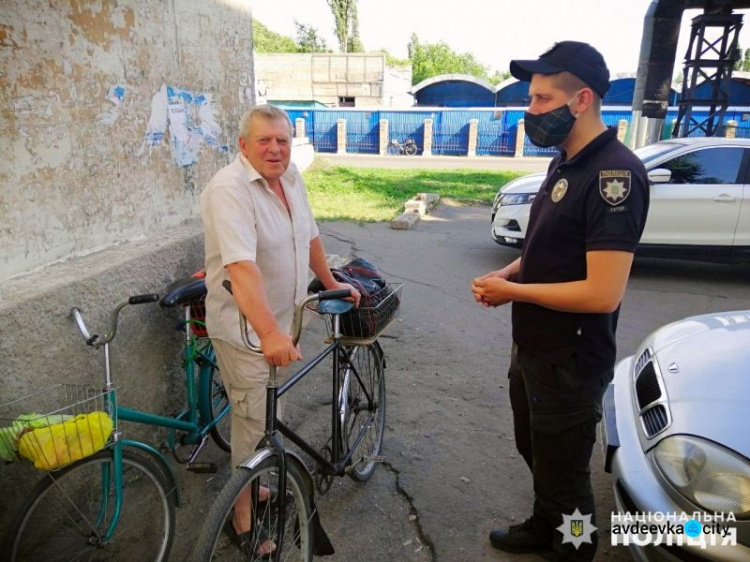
[(516, 199), (706, 473)]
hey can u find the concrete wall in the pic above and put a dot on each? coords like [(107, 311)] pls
[(113, 116), (324, 77)]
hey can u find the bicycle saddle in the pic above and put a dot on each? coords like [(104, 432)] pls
[(185, 291), (334, 306)]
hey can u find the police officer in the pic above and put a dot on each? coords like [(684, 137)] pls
[(566, 289)]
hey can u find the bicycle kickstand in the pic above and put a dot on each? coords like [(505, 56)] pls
[(192, 466)]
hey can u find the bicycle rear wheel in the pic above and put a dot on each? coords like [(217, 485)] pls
[(362, 403), (59, 519), (297, 542), (215, 401), (410, 149)]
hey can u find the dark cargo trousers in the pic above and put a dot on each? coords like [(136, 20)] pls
[(555, 412)]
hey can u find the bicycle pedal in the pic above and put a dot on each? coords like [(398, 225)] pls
[(202, 467)]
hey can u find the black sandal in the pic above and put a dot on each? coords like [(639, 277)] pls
[(258, 535)]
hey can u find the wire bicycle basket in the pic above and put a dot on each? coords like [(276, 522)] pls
[(75, 422), (363, 325)]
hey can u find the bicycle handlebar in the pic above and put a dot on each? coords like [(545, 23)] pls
[(298, 312), (97, 341)]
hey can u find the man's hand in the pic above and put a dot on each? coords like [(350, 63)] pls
[(491, 291), (278, 348), (355, 296)]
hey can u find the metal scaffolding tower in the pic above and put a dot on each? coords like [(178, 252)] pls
[(710, 59)]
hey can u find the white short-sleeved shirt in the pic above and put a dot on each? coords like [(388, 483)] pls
[(244, 220)]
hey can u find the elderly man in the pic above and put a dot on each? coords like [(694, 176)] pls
[(260, 234), (566, 289)]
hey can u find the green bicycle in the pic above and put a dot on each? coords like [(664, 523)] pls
[(116, 503)]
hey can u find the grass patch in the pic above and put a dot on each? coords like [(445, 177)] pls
[(378, 194)]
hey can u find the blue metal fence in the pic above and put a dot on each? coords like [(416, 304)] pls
[(362, 133), (451, 133), (496, 131)]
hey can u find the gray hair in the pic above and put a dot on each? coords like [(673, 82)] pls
[(270, 112)]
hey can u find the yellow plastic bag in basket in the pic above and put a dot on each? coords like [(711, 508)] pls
[(63, 443)]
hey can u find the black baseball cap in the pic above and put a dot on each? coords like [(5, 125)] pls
[(580, 59)]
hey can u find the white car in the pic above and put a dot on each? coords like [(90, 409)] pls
[(676, 435), (700, 201)]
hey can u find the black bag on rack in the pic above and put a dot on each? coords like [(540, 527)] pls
[(370, 318)]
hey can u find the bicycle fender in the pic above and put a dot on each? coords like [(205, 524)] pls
[(167, 472), (321, 543)]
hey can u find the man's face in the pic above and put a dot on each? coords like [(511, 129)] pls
[(268, 146), (545, 96)]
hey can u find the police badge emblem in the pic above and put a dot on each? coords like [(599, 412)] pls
[(614, 186), (559, 191)]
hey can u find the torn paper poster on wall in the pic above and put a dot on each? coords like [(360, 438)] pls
[(190, 120), (115, 95)]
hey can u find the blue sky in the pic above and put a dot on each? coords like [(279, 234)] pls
[(495, 31)]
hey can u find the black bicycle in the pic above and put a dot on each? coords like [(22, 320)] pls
[(409, 147), (290, 520)]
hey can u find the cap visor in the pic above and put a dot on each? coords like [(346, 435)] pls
[(525, 69)]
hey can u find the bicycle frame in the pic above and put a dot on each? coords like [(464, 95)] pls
[(197, 430), (274, 392)]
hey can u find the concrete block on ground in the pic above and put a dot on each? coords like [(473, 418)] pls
[(416, 206), (431, 199), (405, 221)]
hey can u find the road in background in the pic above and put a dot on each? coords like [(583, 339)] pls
[(528, 165)]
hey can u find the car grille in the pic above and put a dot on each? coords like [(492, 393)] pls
[(650, 395), (647, 386)]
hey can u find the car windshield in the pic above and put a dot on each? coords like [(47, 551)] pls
[(648, 153)]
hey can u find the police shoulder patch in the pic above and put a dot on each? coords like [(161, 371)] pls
[(614, 186)]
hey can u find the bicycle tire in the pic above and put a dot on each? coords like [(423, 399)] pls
[(57, 520), (218, 400), (410, 149), (297, 544), (394, 149), (357, 411)]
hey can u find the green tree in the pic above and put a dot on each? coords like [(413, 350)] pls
[(267, 41), (430, 60), (498, 77), (346, 25), (308, 39)]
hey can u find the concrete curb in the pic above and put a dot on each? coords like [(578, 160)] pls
[(416, 207)]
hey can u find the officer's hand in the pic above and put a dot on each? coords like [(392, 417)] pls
[(493, 291), (278, 348), (355, 295)]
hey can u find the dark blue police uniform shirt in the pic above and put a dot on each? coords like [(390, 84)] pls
[(597, 200)]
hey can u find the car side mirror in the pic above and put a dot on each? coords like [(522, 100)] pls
[(659, 175)]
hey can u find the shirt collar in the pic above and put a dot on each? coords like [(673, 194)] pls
[(594, 145), (287, 177)]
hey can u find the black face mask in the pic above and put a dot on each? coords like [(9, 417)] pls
[(551, 128)]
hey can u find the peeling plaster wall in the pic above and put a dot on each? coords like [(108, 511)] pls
[(113, 116)]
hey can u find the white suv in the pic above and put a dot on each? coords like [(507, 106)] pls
[(700, 201)]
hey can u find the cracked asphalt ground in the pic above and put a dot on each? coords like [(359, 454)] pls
[(452, 473)]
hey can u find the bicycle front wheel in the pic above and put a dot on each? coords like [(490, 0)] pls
[(362, 403), (296, 545), (68, 512), (215, 401), (410, 149)]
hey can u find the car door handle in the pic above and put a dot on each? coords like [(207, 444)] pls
[(724, 198)]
